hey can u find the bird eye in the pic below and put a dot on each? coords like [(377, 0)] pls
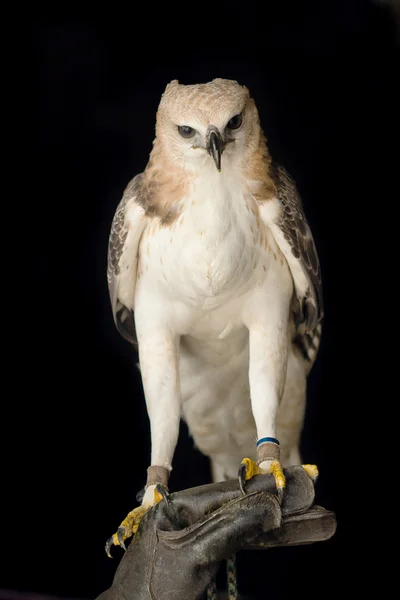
[(186, 131), (235, 122)]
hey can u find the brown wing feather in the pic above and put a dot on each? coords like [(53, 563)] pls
[(296, 231), (123, 316)]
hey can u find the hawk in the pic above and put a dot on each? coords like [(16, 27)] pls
[(214, 275)]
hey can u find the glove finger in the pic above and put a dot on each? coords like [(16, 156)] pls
[(315, 525), (191, 504), (224, 531)]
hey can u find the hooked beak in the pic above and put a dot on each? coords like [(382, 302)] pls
[(215, 145)]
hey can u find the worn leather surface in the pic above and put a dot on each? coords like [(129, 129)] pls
[(178, 547)]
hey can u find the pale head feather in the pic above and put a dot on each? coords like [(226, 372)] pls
[(175, 161), (200, 106)]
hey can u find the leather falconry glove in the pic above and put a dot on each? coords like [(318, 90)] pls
[(181, 542)]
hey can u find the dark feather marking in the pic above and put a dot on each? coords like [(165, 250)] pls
[(123, 316), (294, 226), (118, 231), (144, 190)]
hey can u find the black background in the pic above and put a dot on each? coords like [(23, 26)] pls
[(323, 77)]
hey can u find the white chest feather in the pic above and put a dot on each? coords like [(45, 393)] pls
[(199, 274), (211, 251)]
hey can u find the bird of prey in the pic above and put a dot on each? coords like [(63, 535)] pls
[(214, 275)]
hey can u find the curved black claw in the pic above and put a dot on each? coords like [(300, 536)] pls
[(109, 544), (120, 533), (139, 496), (242, 478), (163, 491)]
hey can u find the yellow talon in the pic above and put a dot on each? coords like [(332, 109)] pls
[(132, 520), (248, 468), (251, 468), (130, 524), (277, 472), (312, 471), (157, 496)]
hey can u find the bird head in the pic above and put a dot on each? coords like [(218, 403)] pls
[(211, 125)]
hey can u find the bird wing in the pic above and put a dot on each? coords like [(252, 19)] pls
[(127, 228), (285, 218)]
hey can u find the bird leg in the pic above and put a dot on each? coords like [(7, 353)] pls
[(155, 491), (158, 356), (268, 353), (267, 375)]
